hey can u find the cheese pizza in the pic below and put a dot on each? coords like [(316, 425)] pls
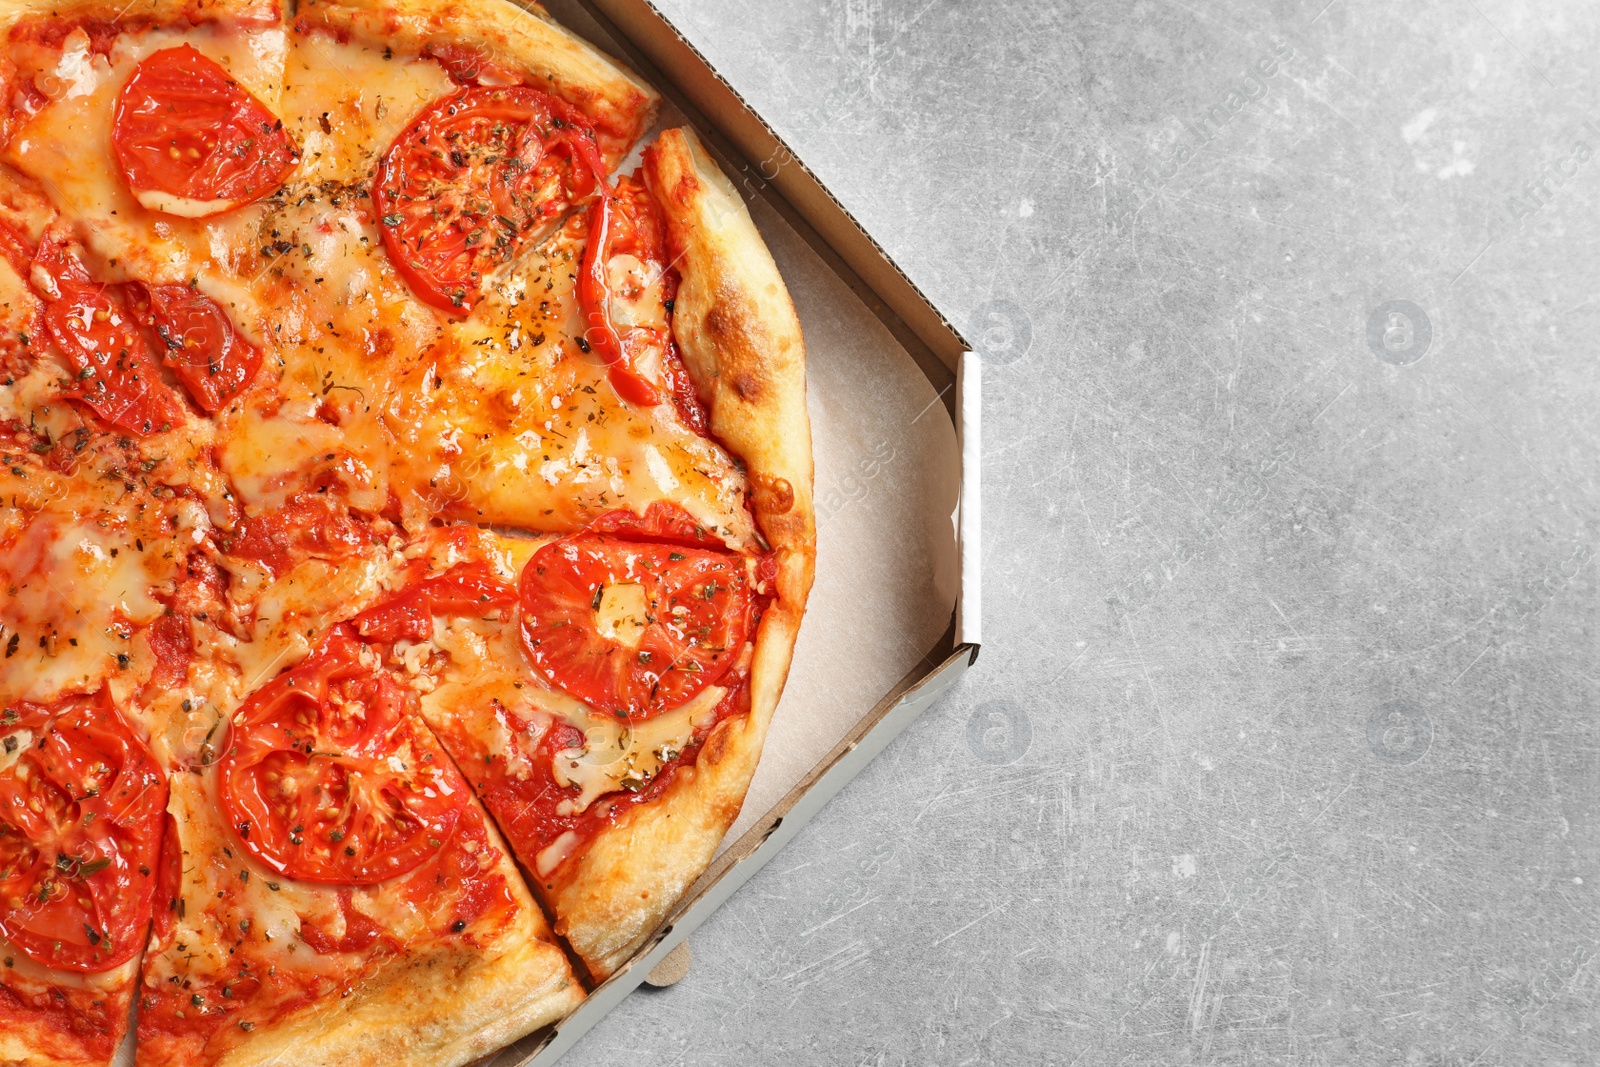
[(406, 525)]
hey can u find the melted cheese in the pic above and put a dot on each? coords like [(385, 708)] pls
[(186, 207), (269, 457), (345, 103), (495, 418), (17, 739), (232, 903), (509, 422), (499, 417), (217, 898), (77, 584), (622, 615), (555, 853), (626, 755), (293, 612)]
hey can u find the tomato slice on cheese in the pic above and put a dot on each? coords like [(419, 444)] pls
[(594, 298), (626, 287), (330, 777), (200, 344), (98, 335), (473, 177), (661, 521), (192, 141), (633, 627), (465, 589), (81, 812)]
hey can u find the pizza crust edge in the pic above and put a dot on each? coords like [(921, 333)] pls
[(741, 341)]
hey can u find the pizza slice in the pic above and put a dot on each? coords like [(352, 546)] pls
[(95, 568), (335, 895)]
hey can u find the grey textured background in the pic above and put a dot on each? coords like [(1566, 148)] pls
[(1283, 744)]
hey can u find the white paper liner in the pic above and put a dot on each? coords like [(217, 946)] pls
[(887, 482)]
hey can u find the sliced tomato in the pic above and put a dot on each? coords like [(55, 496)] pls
[(200, 344), (473, 177), (594, 299), (465, 589), (95, 328), (82, 805), (662, 521), (631, 627), (329, 775), (628, 222), (186, 131)]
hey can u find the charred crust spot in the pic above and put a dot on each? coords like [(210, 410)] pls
[(746, 386), (722, 321)]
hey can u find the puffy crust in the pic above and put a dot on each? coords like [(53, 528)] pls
[(442, 1009), (741, 341), (610, 899), (620, 105)]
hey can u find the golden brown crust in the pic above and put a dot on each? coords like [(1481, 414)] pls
[(740, 339), (611, 898), (439, 1010), (621, 107)]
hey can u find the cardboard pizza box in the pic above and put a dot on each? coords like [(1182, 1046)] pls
[(894, 394)]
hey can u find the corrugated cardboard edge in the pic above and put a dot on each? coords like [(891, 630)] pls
[(738, 136), (969, 512)]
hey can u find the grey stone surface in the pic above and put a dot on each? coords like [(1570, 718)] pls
[(1283, 745)]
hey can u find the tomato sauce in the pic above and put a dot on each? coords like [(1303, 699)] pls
[(61, 1021)]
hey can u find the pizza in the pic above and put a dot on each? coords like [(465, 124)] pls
[(406, 526)]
